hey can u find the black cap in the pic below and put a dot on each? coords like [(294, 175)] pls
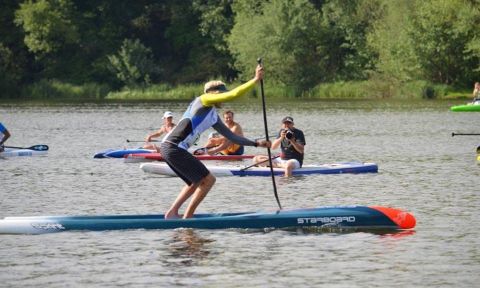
[(287, 119)]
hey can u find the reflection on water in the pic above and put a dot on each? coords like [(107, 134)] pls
[(383, 233), (186, 246), (398, 234)]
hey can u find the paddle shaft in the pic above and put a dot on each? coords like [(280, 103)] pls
[(137, 141), (259, 61), (465, 134), (261, 162)]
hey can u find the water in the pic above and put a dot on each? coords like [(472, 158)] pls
[(422, 169)]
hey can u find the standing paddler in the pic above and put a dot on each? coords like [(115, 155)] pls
[(4, 135), (200, 116)]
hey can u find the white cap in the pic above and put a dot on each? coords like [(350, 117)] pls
[(167, 114)]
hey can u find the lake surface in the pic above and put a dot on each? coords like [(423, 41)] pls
[(422, 169)]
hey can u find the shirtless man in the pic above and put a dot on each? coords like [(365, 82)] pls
[(220, 144)]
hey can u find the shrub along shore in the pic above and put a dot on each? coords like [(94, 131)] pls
[(339, 90)]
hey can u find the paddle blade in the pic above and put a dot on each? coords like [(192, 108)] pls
[(41, 147)]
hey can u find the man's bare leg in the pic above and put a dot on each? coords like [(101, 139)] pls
[(200, 193), (288, 166), (261, 160), (186, 192)]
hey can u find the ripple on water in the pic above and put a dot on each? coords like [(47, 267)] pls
[(421, 169)]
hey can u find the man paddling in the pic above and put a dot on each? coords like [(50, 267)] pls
[(4, 135), (166, 127), (201, 115)]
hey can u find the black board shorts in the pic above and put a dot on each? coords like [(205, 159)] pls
[(184, 164)]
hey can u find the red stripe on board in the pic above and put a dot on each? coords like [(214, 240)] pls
[(403, 219), (157, 156)]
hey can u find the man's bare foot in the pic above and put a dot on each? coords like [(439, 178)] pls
[(171, 215)]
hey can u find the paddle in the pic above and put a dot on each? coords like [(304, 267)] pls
[(259, 61), (261, 162), (41, 147), (136, 141), (465, 134)]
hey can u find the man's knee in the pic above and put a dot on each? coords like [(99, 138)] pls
[(209, 180), (292, 164)]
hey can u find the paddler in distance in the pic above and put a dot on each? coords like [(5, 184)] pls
[(199, 116), (4, 135), (166, 127), (476, 93)]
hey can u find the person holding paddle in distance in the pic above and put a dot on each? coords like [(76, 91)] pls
[(292, 143), (201, 115), (166, 127), (4, 135)]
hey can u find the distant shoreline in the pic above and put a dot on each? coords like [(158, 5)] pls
[(56, 90)]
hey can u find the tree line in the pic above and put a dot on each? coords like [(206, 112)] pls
[(304, 43)]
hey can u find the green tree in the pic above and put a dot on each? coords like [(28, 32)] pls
[(305, 42), (10, 72), (47, 25), (287, 34), (194, 52), (14, 60), (347, 24), (442, 30), (133, 64), (433, 40), (53, 38), (216, 21), (389, 38)]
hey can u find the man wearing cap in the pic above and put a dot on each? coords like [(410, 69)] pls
[(166, 127), (292, 143), (201, 115)]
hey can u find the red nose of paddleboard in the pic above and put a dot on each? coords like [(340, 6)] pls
[(403, 219)]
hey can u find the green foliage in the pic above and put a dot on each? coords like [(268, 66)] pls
[(287, 34), (14, 62), (47, 25), (51, 89), (10, 72), (390, 40), (215, 21), (378, 89), (133, 64), (403, 48), (473, 48), (442, 30), (339, 90), (346, 24), (195, 36), (433, 40), (158, 92), (303, 44)]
